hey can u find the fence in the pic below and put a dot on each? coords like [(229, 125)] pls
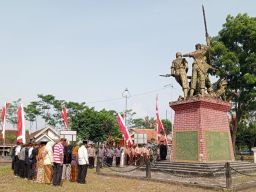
[(226, 182)]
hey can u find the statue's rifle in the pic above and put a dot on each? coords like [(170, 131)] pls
[(167, 75), (205, 25), (206, 34)]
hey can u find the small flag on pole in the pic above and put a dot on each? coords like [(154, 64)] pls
[(21, 136), (124, 130), (160, 126), (64, 116), (4, 119)]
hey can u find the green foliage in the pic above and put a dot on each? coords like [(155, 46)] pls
[(11, 113), (146, 123), (139, 123), (234, 54), (96, 126), (167, 125), (246, 136), (89, 123), (10, 138)]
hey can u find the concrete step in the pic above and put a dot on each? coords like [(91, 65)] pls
[(201, 169)]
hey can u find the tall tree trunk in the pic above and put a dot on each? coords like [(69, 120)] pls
[(235, 127)]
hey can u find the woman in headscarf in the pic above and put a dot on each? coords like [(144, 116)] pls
[(74, 164), (48, 162), (40, 163)]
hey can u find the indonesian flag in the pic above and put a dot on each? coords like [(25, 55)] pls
[(160, 126), (21, 125), (3, 119), (124, 130), (64, 116)]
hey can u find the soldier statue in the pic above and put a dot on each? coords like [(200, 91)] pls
[(199, 69), (179, 70)]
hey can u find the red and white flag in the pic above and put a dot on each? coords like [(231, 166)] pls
[(160, 126), (124, 130), (64, 116), (21, 136), (4, 119)]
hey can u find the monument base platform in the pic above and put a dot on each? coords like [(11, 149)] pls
[(202, 169), (201, 130)]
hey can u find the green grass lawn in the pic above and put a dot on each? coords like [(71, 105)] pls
[(9, 183)]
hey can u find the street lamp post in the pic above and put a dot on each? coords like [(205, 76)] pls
[(126, 95)]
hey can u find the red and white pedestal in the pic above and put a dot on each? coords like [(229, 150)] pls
[(201, 130)]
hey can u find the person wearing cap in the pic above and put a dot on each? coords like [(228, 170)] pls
[(82, 163)]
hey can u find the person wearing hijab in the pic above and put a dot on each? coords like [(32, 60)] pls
[(40, 163), (74, 164), (48, 162)]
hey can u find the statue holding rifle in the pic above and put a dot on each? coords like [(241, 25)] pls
[(200, 80), (179, 70)]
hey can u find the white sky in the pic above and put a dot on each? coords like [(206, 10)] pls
[(90, 51)]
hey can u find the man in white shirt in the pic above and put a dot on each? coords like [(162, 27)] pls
[(16, 161), (82, 163)]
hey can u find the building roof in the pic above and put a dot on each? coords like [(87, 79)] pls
[(45, 134)]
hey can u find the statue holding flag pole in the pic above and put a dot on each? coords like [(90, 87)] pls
[(200, 84)]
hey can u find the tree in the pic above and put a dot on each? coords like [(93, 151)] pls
[(150, 122), (167, 125), (139, 123), (234, 54), (96, 126), (32, 111), (246, 136), (11, 116), (50, 109)]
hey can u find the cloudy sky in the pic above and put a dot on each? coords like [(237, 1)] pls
[(92, 50)]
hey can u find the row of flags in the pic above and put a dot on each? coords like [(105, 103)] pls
[(21, 134), (125, 132), (21, 131)]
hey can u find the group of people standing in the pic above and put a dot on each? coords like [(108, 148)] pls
[(139, 154), (50, 162), (130, 155)]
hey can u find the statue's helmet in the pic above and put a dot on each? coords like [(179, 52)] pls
[(178, 54), (198, 46)]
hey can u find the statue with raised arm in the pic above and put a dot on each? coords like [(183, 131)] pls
[(179, 70), (199, 69)]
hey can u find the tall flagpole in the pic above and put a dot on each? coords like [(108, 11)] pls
[(3, 125)]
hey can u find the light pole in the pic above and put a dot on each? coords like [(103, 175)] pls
[(126, 95)]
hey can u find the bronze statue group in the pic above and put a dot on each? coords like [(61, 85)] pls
[(200, 81)]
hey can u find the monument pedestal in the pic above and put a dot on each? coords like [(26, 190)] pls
[(201, 130)]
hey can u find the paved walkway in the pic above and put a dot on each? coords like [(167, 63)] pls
[(207, 182)]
